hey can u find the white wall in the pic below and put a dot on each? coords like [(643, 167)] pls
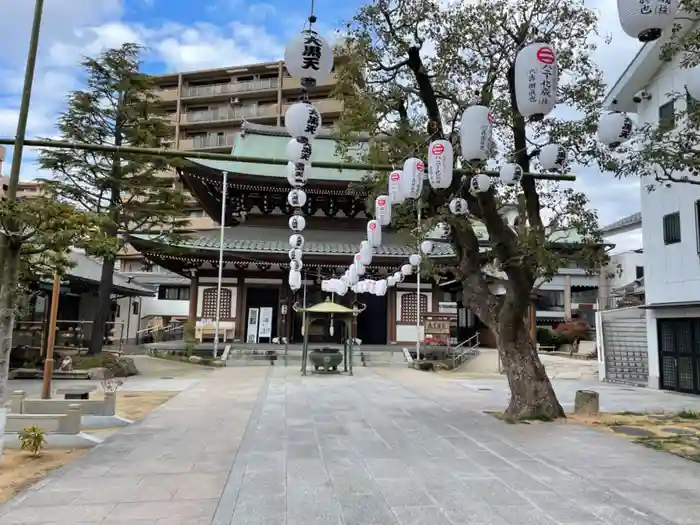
[(407, 333), (623, 266)]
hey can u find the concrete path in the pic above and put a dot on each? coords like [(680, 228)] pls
[(263, 446)]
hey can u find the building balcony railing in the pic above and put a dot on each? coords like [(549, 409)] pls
[(213, 141), (230, 88), (228, 113)]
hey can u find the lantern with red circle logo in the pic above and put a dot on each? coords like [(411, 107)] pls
[(382, 210), (440, 164), (374, 233), (536, 76), (396, 193), (412, 178)]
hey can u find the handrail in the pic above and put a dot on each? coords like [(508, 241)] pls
[(458, 360), (475, 336)]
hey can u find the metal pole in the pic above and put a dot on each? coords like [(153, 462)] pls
[(221, 265), (418, 301), (48, 361)]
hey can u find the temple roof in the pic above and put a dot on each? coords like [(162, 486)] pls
[(260, 141)]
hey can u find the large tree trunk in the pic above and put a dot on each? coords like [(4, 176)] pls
[(104, 306), (531, 392)]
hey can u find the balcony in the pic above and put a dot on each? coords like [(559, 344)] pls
[(328, 106), (168, 95), (226, 113), (293, 83), (211, 141), (231, 88)]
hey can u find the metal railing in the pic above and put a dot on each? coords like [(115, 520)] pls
[(464, 351), (213, 141), (228, 113), (71, 335), (156, 334), (230, 88)]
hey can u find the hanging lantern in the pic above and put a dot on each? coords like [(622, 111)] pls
[(302, 120), (299, 150), (297, 174), (412, 179), (381, 288), (440, 164), (365, 257), (395, 191), (646, 19), (360, 268), (692, 82), (296, 265), (295, 254), (352, 274), (442, 230), (382, 210), (553, 157), (297, 223), (406, 269), (426, 247), (536, 77), (399, 276), (475, 133), (614, 129), (510, 174), (296, 241), (390, 281), (296, 198), (374, 233), (308, 56), (371, 286), (458, 206), (414, 259), (479, 183), (294, 280)]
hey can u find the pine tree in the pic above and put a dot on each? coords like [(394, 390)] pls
[(132, 193)]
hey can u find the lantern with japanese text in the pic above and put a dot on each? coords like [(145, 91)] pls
[(692, 82), (297, 174), (296, 265), (296, 198), (475, 133), (536, 80), (302, 120), (553, 157), (414, 259), (296, 241), (294, 280), (614, 129), (442, 230), (510, 174), (427, 247), (396, 193), (297, 223), (412, 179), (308, 57), (382, 210), (374, 233), (440, 164), (295, 254), (399, 277), (299, 150), (646, 20), (458, 206), (479, 183)]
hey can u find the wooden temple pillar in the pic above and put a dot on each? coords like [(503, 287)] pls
[(240, 313), (194, 297), (532, 317)]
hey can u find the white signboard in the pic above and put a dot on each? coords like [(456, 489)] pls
[(252, 332), (265, 331)]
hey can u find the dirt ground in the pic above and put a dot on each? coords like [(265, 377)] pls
[(19, 470)]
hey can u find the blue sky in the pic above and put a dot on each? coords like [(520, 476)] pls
[(183, 35)]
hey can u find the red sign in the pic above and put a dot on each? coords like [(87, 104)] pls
[(372, 226), (381, 202), (546, 55), (395, 177), (491, 118), (438, 149), (420, 166)]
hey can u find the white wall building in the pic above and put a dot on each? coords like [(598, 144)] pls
[(670, 229)]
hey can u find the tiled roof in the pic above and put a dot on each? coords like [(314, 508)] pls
[(88, 269), (251, 239)]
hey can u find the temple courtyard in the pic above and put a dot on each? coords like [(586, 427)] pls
[(261, 445)]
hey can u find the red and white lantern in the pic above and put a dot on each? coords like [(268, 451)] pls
[(536, 76), (412, 179), (395, 190), (440, 164), (646, 20), (475, 133), (374, 233), (382, 210)]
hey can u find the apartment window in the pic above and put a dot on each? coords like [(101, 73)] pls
[(638, 272), (174, 293), (672, 228), (667, 116)]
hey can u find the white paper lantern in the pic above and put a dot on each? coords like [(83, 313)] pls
[(510, 174), (440, 164), (352, 274), (299, 150), (366, 245), (395, 190), (406, 269), (553, 157), (365, 257), (296, 241), (536, 80), (646, 19), (308, 55), (374, 233), (399, 276), (381, 288), (297, 223), (458, 206), (302, 119), (390, 281), (479, 183), (296, 265), (614, 129), (297, 174), (382, 210), (426, 247), (412, 178), (295, 254), (360, 268), (414, 259), (294, 280), (475, 133), (692, 82), (296, 198), (370, 286)]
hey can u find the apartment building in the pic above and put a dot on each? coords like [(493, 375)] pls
[(26, 188)]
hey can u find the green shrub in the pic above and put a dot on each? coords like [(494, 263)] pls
[(189, 336), (32, 439), (546, 336)]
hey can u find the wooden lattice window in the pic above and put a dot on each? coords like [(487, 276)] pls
[(209, 303), (408, 306)]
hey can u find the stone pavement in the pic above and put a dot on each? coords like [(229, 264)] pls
[(263, 446)]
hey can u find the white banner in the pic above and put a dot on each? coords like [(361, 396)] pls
[(265, 323), (252, 332)]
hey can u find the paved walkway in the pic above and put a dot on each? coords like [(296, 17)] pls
[(262, 446)]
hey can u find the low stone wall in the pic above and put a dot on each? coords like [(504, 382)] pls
[(19, 404), (67, 423)]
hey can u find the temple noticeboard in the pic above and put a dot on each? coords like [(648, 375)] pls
[(437, 328)]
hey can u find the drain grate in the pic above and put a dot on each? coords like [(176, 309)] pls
[(167, 377), (484, 388)]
